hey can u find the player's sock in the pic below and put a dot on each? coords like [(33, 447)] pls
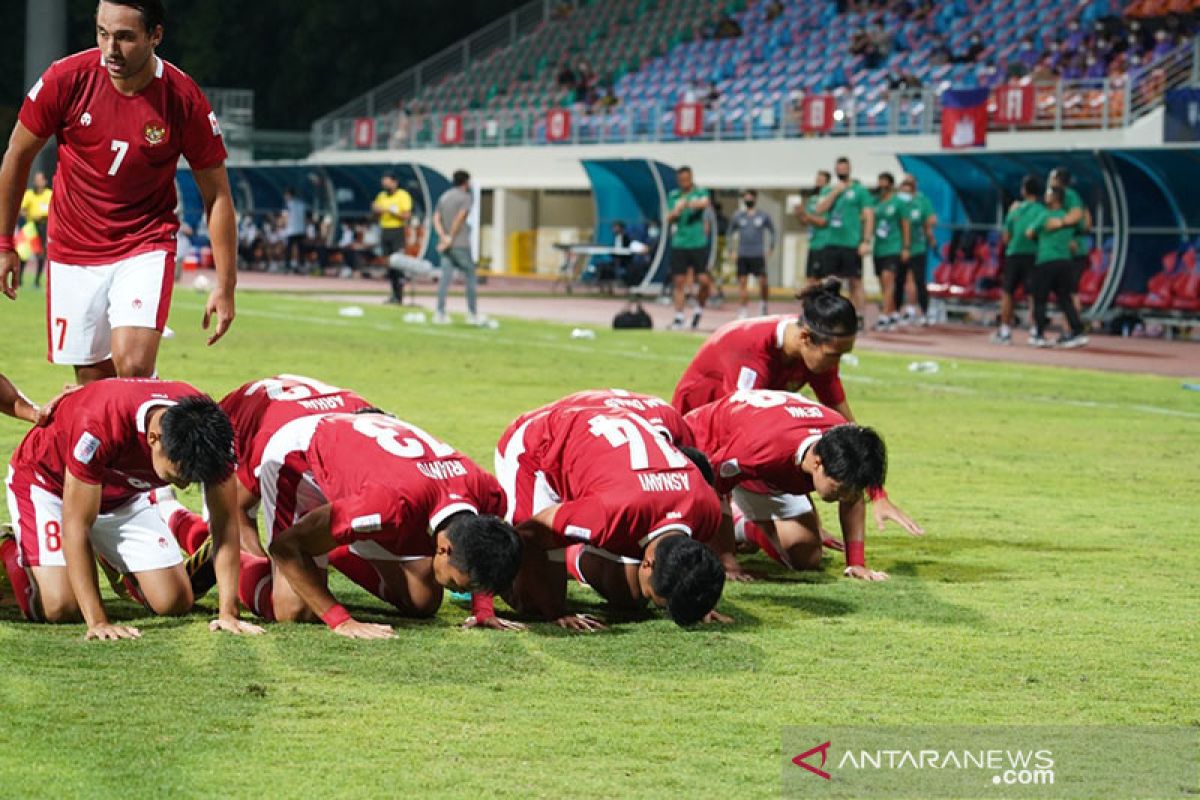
[(133, 591), (756, 536), (190, 529), (22, 583), (359, 571), (202, 573), (255, 586), (572, 556)]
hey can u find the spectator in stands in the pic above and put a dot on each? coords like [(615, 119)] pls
[(400, 127), (1163, 44), (773, 10), (454, 245), (939, 52), (295, 221), (249, 241), (712, 97), (1043, 72), (393, 207), (974, 48), (566, 76), (609, 101), (586, 79), (727, 27), (1027, 53), (753, 229)]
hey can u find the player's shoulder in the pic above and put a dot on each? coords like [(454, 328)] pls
[(85, 61)]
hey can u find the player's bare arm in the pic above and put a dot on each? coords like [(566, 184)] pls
[(724, 546), (853, 517), (293, 551), (81, 506), (222, 227), (23, 147), (224, 524), (15, 404), (247, 519), (868, 226), (537, 537)]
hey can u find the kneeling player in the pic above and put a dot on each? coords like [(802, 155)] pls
[(418, 511), (81, 481), (772, 449), (604, 478)]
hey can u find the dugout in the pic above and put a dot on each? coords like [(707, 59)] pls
[(339, 192), (1140, 202), (634, 191)]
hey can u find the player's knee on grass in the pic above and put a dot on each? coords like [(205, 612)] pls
[(801, 540), (168, 592), (55, 599)]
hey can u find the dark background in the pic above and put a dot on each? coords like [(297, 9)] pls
[(302, 58)]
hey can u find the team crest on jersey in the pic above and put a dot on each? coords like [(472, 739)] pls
[(155, 132), (85, 120)]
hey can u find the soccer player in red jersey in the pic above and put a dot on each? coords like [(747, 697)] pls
[(785, 353), (589, 474), (79, 484), (423, 514), (122, 117), (771, 450), (655, 410)]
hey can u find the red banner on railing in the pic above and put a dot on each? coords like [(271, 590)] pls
[(558, 125), (364, 133), (451, 131), (816, 113), (1014, 105), (689, 119)]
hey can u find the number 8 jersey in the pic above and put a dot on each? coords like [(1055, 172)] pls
[(114, 191), (387, 481)]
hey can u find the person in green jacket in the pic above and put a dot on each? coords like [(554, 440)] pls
[(1080, 219), (818, 226), (893, 235), (688, 211), (1052, 271), (1020, 252), (912, 280), (851, 230)]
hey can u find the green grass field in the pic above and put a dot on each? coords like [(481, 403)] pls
[(1057, 585)]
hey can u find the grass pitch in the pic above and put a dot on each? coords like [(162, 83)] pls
[(1057, 585)]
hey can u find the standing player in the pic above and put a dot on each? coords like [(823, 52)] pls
[(422, 513), (770, 450), (81, 481), (913, 261), (688, 208), (818, 225), (122, 117), (604, 478), (393, 206), (851, 227), (893, 236), (750, 227), (1019, 252)]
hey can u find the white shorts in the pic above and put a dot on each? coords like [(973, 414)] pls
[(526, 489), (84, 304), (132, 538), (771, 507)]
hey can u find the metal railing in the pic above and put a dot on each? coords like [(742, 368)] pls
[(1100, 103)]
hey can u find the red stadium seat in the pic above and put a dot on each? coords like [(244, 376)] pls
[(1158, 291), (1185, 292), (1089, 285), (940, 285)]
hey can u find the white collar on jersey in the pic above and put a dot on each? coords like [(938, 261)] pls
[(780, 331), (158, 65), (805, 445), (145, 408)]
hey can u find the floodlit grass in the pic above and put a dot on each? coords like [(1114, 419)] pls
[(1057, 585)]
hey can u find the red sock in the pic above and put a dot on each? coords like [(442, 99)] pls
[(135, 591), (572, 555), (360, 571), (189, 528), (255, 585), (756, 536), (23, 585)]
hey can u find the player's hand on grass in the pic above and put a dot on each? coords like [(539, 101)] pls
[(235, 625), (717, 616), (107, 632), (493, 622), (220, 305), (10, 271), (579, 622), (865, 574), (353, 629), (886, 511)]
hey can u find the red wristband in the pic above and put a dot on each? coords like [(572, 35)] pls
[(335, 616), (876, 493), (856, 554), (7, 244), (482, 606)]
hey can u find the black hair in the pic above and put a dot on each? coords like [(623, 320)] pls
[(752, 192), (198, 439), (843, 160), (1032, 185), (854, 456), (825, 312), (683, 169), (889, 177), (702, 463), (688, 576), (486, 548), (460, 177), (289, 190), (1063, 174), (152, 11), (828, 175), (371, 410)]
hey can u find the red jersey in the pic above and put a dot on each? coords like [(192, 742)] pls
[(98, 434), (386, 480), (114, 191), (260, 408), (620, 482), (748, 354), (759, 437), (655, 410)]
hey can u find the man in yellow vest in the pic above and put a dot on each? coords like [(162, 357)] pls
[(393, 206), (35, 208)]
